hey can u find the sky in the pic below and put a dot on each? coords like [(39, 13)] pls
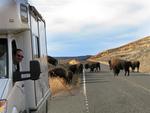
[(87, 27)]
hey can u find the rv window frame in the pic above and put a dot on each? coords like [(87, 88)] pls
[(24, 13)]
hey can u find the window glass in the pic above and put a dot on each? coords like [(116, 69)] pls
[(24, 13), (3, 58), (36, 47)]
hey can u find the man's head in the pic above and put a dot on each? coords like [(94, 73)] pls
[(18, 56)]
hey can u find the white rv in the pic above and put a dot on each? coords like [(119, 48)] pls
[(27, 90)]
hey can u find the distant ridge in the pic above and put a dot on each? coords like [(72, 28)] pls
[(80, 58), (137, 50)]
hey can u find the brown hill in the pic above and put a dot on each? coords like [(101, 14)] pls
[(137, 50)]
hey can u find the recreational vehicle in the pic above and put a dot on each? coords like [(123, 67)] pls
[(26, 90)]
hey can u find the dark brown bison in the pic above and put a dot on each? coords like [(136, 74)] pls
[(80, 68), (135, 64), (73, 68), (117, 64), (109, 62), (62, 73), (52, 60), (76, 68), (59, 72), (86, 66), (98, 66), (69, 77), (94, 66)]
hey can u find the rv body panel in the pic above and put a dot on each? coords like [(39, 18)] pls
[(14, 16)]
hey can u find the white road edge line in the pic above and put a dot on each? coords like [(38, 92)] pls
[(84, 92)]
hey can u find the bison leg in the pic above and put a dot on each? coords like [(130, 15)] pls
[(116, 72), (137, 69), (127, 72)]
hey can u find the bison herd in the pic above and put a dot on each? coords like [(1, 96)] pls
[(116, 65), (69, 71)]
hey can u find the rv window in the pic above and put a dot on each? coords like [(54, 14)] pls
[(3, 58), (24, 13), (36, 47)]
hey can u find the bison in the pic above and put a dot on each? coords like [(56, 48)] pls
[(52, 60), (80, 68), (69, 77), (117, 64), (135, 64), (95, 66), (109, 62), (86, 66), (73, 68), (98, 66), (59, 72), (62, 73), (76, 68)]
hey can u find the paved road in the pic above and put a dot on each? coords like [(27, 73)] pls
[(66, 102), (103, 93), (109, 94)]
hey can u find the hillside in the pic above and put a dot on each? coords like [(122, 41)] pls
[(137, 50)]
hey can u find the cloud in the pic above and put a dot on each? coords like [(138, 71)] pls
[(72, 15)]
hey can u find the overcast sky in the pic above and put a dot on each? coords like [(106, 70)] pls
[(87, 27)]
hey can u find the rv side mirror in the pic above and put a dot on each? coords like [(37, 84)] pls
[(34, 72), (35, 69)]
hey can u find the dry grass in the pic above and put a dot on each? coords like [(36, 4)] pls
[(58, 85), (73, 61)]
